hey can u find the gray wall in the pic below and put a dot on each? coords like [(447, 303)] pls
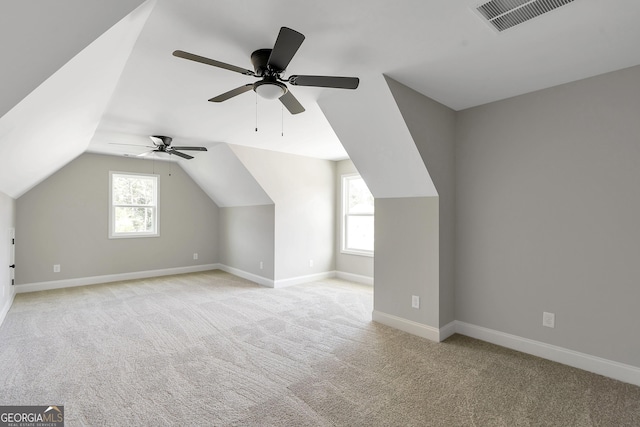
[(7, 222), (348, 263), (247, 239), (407, 258), (433, 129), (376, 136), (302, 189), (548, 209), (64, 220)]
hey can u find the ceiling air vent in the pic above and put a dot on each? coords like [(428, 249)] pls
[(504, 14)]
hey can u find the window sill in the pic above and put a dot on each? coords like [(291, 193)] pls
[(133, 236), (356, 252)]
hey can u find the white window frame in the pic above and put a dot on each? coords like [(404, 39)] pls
[(155, 206), (345, 206)]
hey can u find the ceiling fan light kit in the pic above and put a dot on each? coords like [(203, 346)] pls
[(270, 89), (269, 65)]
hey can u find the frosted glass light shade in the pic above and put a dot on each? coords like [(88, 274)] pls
[(270, 90)]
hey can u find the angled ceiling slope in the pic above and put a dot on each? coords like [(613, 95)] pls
[(441, 49), (375, 135), (40, 37), (55, 123), (224, 178)]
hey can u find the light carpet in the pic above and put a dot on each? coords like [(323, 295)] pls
[(213, 349)]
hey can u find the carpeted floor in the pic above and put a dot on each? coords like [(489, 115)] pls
[(212, 349)]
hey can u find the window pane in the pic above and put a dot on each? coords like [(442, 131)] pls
[(129, 190), (132, 220), (360, 198), (359, 233)]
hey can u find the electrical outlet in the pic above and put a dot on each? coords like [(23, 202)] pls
[(549, 320), (310, 263), (261, 265), (415, 301), (56, 268), (195, 255)]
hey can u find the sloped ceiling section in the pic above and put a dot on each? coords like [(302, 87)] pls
[(375, 135), (55, 123), (39, 37), (160, 93), (224, 178)]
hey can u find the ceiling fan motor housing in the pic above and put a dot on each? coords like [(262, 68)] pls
[(259, 59), (161, 140), (269, 87)]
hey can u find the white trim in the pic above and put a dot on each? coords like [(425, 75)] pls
[(7, 307), (283, 283), (260, 280), (357, 252), (358, 278), (344, 208), (447, 330), (619, 371), (94, 280), (155, 206), (414, 328)]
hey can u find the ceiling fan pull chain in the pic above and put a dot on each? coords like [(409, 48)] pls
[(282, 120), (256, 112)]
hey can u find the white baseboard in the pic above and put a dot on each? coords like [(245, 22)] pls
[(358, 278), (94, 280), (409, 326), (6, 307), (608, 368), (246, 275), (282, 283), (447, 330)]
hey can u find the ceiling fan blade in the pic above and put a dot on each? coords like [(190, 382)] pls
[(287, 44), (207, 61), (291, 103), (234, 92), (132, 145), (190, 148), (177, 153), (325, 81), (146, 153)]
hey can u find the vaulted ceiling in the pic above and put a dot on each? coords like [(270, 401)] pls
[(81, 75)]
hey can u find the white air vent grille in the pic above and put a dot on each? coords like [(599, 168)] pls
[(504, 14)]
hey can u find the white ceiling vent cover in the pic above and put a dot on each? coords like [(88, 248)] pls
[(504, 14)]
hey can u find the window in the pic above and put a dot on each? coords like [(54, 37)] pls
[(357, 216), (133, 205)]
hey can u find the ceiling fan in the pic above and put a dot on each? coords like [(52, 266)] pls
[(162, 144), (269, 65)]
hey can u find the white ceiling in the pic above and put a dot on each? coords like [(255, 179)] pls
[(437, 47), (39, 37)]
